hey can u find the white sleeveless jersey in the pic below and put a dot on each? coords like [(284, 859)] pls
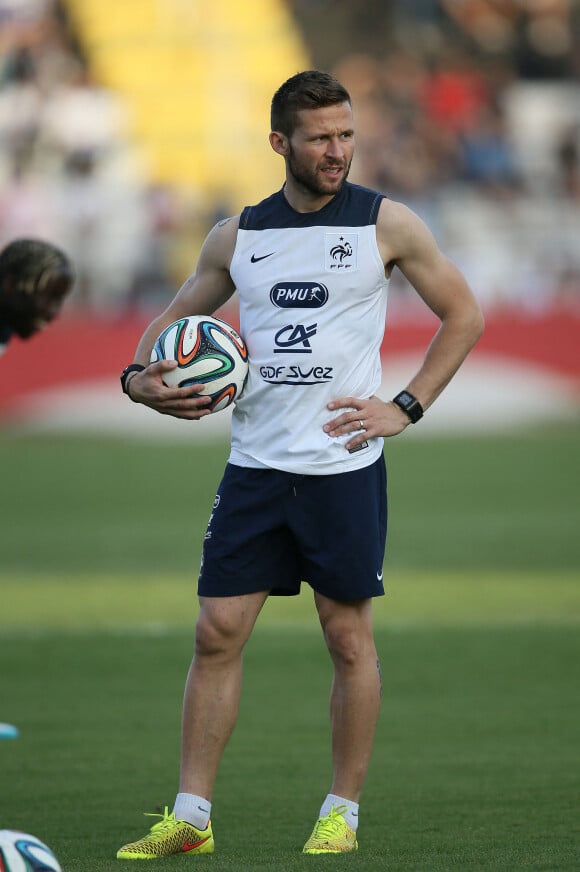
[(313, 296)]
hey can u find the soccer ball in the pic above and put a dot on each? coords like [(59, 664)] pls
[(21, 852), (209, 352)]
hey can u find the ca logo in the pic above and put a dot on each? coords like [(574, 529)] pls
[(289, 338)]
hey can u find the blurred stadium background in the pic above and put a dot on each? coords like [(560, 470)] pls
[(127, 128)]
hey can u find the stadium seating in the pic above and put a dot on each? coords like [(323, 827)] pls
[(198, 79)]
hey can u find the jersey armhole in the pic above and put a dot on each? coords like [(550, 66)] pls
[(374, 210), (245, 217)]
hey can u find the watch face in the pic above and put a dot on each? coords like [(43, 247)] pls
[(410, 405)]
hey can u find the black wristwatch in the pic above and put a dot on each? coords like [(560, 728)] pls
[(410, 406), (133, 367)]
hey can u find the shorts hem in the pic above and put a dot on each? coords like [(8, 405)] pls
[(217, 591)]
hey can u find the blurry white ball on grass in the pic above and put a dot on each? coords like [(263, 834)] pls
[(22, 852)]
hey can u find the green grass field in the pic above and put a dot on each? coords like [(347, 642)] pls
[(476, 760)]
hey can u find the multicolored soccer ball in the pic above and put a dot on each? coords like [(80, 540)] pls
[(21, 852), (208, 351)]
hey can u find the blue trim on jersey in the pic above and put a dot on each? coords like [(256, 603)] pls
[(353, 206)]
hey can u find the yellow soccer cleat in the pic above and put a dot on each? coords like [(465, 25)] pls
[(169, 836), (331, 835)]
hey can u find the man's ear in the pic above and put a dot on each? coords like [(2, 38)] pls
[(279, 143)]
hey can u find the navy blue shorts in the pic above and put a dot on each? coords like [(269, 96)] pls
[(271, 530)]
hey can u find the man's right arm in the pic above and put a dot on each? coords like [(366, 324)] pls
[(208, 288)]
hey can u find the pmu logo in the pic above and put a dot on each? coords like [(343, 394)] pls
[(294, 340), (299, 295)]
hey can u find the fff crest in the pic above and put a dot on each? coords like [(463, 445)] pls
[(341, 251)]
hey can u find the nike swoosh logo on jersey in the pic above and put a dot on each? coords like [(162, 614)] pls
[(255, 259)]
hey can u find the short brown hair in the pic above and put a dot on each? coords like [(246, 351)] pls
[(311, 89), (28, 263)]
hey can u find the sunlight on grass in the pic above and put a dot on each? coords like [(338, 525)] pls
[(435, 599)]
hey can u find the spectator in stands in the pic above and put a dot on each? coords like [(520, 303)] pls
[(487, 157), (568, 162)]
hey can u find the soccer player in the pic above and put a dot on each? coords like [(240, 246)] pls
[(303, 496), (35, 279)]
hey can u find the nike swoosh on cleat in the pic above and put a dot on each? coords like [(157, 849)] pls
[(255, 259), (189, 846)]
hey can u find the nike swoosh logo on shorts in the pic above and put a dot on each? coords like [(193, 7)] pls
[(379, 576)]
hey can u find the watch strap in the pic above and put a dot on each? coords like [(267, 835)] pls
[(410, 405), (133, 367)]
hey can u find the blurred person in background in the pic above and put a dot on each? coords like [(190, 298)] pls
[(303, 497), (35, 279), (69, 172)]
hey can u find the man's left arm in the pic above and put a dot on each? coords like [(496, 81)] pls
[(444, 289), (407, 243)]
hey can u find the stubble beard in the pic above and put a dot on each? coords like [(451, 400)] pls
[(311, 181)]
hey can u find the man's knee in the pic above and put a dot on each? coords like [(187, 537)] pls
[(348, 641), (347, 628), (216, 633), (225, 623)]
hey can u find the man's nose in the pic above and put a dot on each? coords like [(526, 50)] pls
[(334, 148)]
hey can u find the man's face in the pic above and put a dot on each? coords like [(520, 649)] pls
[(30, 313), (320, 149)]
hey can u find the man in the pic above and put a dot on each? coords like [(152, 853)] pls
[(303, 497), (35, 279)]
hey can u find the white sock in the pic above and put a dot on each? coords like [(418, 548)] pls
[(351, 813), (194, 809)]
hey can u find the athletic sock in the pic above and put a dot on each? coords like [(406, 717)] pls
[(194, 809), (351, 813)]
